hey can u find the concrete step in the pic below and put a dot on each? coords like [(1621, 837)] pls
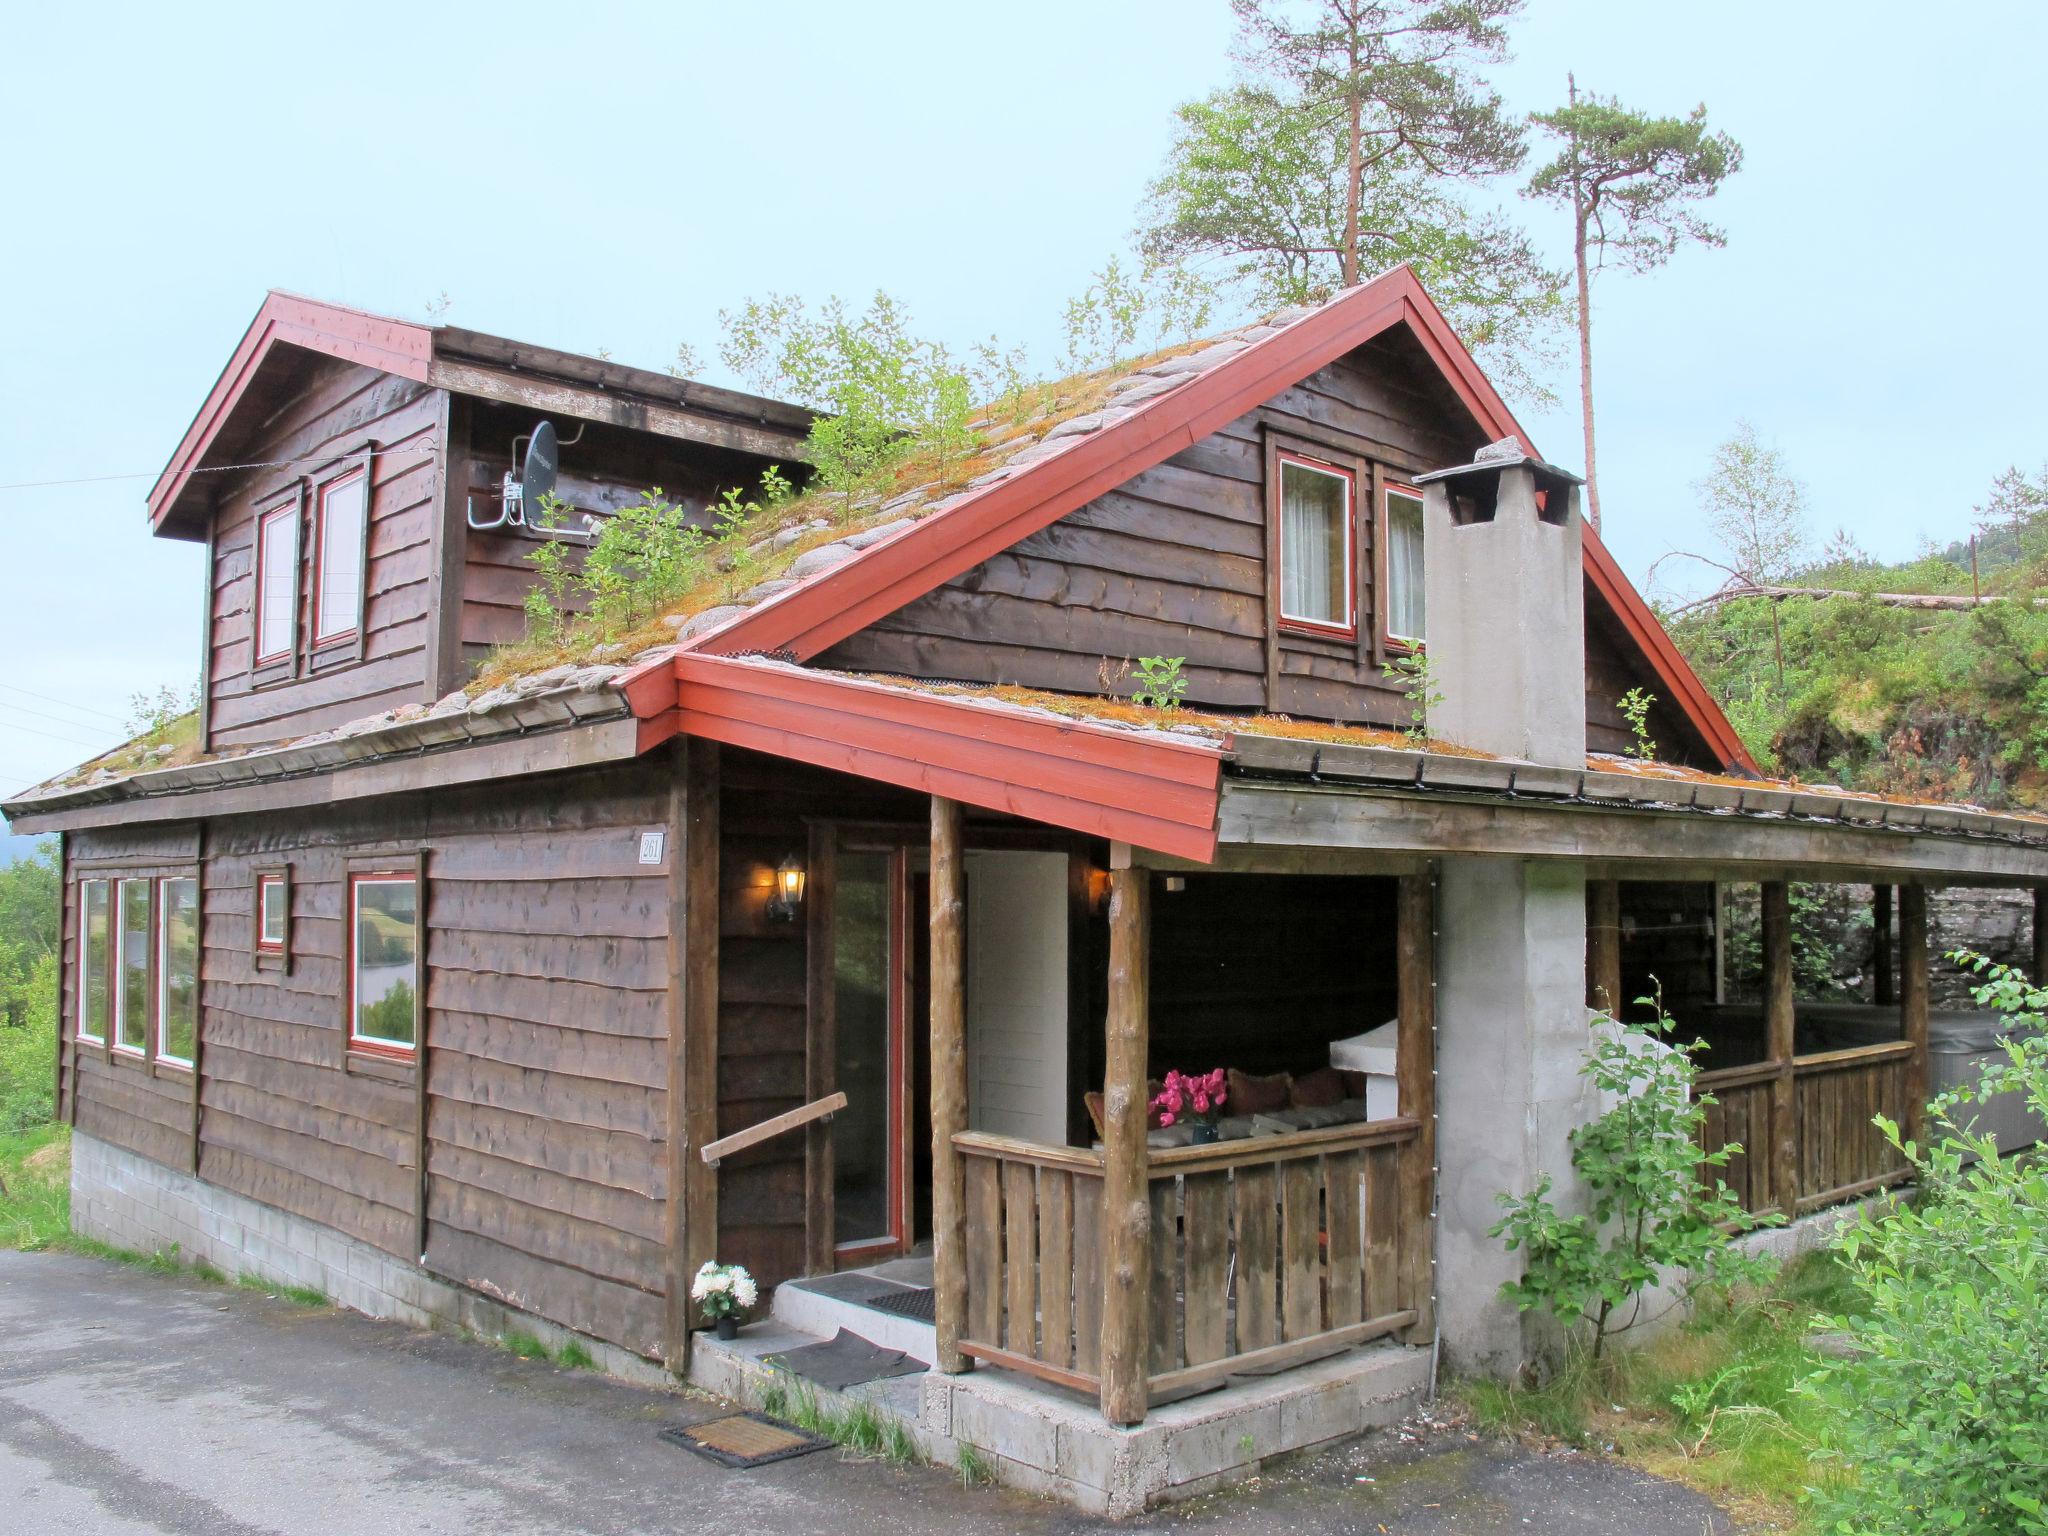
[(810, 1311)]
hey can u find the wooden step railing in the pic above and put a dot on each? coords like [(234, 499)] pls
[(769, 1129), (1264, 1253)]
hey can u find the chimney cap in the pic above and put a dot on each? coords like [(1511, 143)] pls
[(1508, 453)]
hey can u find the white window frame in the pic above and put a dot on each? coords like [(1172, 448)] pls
[(288, 512), (1347, 627), (79, 1029), (1393, 637), (163, 969), (377, 1044), (117, 1012), (265, 944), (322, 633)]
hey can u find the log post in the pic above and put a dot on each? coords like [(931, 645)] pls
[(1126, 1208), (949, 1082), (1913, 968), (1781, 1040), (821, 1042), (1415, 1087), (1881, 990), (1603, 946), (692, 1229), (2039, 975)]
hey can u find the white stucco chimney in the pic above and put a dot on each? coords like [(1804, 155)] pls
[(1505, 598)]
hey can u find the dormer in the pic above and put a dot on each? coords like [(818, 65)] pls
[(346, 472)]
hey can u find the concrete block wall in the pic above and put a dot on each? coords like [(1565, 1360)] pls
[(124, 1199)]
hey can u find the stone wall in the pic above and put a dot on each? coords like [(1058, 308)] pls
[(1833, 940)]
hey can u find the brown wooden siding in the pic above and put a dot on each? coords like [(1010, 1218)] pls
[(340, 408), (1174, 563)]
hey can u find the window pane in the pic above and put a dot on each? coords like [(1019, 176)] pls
[(1404, 566), (386, 960), (860, 965), (93, 960), (177, 968), (132, 1013), (1315, 545), (278, 598), (341, 557), (273, 913)]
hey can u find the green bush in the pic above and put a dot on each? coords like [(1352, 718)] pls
[(28, 990), (1941, 1413), (1652, 1212)]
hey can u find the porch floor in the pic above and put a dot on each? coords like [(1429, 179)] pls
[(1052, 1441)]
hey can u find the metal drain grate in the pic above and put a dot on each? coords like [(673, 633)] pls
[(744, 1440)]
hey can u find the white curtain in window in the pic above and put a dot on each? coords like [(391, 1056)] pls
[(1312, 545), (1405, 617)]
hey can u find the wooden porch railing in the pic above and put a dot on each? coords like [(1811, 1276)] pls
[(1265, 1253), (1838, 1154)]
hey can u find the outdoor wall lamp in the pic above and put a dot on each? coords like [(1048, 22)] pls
[(789, 891)]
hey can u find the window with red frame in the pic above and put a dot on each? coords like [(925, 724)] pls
[(383, 954), (1404, 606), (277, 584), (1316, 550), (338, 556)]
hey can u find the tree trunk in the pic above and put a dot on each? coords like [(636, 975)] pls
[(1353, 192), (1582, 214)]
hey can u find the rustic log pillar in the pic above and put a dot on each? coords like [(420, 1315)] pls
[(1415, 1087), (1603, 946), (1781, 1041), (1881, 990), (821, 1042), (1913, 968), (692, 1225), (949, 1082), (1126, 1208), (2039, 975)]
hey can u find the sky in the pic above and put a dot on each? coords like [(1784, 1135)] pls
[(611, 176)]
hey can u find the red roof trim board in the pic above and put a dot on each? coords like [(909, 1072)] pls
[(1127, 786), (394, 346), (884, 578)]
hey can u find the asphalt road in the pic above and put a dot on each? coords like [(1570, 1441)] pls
[(135, 1403)]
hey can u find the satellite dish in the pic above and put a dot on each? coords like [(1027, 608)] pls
[(537, 474)]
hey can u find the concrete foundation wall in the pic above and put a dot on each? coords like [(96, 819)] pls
[(124, 1199)]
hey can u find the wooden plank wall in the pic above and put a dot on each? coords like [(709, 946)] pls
[(1612, 670), (136, 1104), (762, 1014), (1174, 563), (340, 407)]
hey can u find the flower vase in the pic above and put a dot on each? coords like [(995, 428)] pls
[(1201, 1133), (728, 1327)]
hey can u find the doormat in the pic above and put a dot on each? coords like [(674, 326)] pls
[(916, 1302), (744, 1440), (845, 1360)]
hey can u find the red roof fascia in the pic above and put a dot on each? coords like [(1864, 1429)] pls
[(1122, 785), (393, 346)]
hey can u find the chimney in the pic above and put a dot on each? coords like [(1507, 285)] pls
[(1504, 592)]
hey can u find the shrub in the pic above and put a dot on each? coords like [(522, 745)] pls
[(1651, 1209), (1941, 1412)]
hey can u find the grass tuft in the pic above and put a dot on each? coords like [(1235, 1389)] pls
[(1715, 1403), (972, 1466), (861, 1429), (573, 1356), (524, 1345)]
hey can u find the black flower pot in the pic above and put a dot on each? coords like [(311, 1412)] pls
[(1200, 1134), (728, 1327)]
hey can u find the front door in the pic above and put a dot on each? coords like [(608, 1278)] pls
[(879, 966)]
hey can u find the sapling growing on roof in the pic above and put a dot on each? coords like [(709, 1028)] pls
[(1159, 683), (1412, 673), (1635, 709)]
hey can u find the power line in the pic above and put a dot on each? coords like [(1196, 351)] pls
[(69, 741), (41, 714), (53, 699), (208, 469)]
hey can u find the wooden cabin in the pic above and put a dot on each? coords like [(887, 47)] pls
[(850, 928)]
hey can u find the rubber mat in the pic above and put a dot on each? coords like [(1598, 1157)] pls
[(744, 1440)]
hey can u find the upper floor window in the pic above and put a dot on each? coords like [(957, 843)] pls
[(1316, 550), (338, 556), (277, 583), (1404, 605), (273, 913), (383, 962), (95, 963), (131, 959), (177, 970)]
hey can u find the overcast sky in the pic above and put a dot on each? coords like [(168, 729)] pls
[(609, 176)]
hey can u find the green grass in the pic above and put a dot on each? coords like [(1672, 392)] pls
[(1713, 1403), (972, 1466), (573, 1356), (297, 1295), (862, 1429), (35, 1204), (524, 1345)]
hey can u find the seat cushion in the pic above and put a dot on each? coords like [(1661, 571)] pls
[(1256, 1095)]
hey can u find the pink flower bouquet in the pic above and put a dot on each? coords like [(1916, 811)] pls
[(1196, 1100)]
